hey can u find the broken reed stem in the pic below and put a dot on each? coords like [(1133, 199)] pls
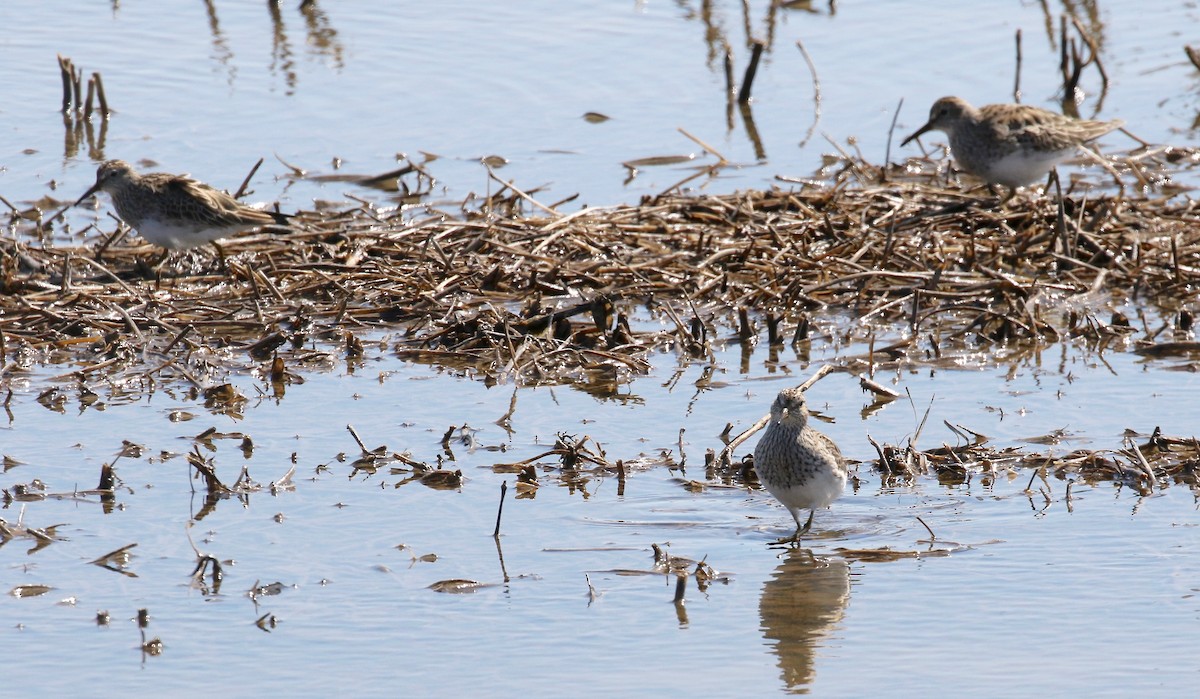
[(77, 86), (104, 110), (500, 510), (64, 68), (91, 94), (751, 70)]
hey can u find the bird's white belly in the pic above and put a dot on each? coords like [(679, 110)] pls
[(1023, 167), (177, 235), (819, 490)]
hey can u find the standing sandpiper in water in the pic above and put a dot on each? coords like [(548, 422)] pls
[(801, 467), (1009, 144), (175, 211)]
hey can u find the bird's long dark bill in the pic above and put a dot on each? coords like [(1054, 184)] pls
[(91, 190), (916, 133)]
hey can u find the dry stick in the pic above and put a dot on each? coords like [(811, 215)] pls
[(500, 510), (1017, 78), (241, 191), (354, 434), (178, 338), (715, 153), (726, 456), (751, 70), (812, 69), (932, 536), (106, 271), (877, 388), (521, 194)]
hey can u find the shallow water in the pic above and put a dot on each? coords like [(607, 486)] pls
[(467, 80), (1029, 581), (1094, 594)]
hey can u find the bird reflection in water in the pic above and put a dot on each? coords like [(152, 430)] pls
[(802, 604)]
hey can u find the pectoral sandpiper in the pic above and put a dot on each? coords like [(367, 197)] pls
[(1009, 144), (175, 211), (801, 467)]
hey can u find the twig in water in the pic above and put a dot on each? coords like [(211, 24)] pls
[(812, 68), (354, 434), (932, 536), (521, 194), (500, 510), (241, 191), (705, 146), (913, 442)]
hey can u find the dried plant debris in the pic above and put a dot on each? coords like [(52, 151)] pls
[(118, 560), (585, 297), (459, 586), (1155, 463), (22, 591), (664, 563), (40, 536)]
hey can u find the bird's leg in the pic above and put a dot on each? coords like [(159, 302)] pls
[(801, 530), (807, 525), (1012, 192)]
